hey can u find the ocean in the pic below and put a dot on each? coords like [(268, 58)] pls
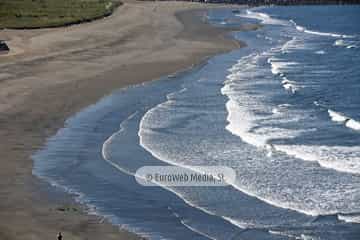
[(282, 112)]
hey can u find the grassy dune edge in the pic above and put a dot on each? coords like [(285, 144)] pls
[(28, 14)]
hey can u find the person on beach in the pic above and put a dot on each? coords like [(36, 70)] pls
[(59, 236)]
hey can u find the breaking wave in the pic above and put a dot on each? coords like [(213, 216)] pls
[(341, 118), (303, 29)]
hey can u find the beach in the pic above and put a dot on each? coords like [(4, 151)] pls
[(50, 74)]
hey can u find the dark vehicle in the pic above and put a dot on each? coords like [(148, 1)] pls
[(3, 47)]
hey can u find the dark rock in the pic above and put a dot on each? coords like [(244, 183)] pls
[(67, 208), (60, 209)]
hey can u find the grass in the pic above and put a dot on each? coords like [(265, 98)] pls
[(22, 14)]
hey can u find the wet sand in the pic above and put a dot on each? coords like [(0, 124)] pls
[(51, 74)]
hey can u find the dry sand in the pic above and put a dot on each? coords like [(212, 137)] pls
[(53, 73)]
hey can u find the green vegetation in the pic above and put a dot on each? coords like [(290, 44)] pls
[(52, 13)]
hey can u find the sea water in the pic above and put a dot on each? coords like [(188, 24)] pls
[(283, 112)]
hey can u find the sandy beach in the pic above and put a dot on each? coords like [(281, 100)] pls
[(51, 74)]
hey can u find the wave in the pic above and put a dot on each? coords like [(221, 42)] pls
[(347, 44), (303, 29), (106, 152), (292, 236), (144, 130), (337, 117), (255, 129), (169, 133), (289, 85), (351, 123), (150, 124), (339, 42), (349, 218), (327, 34), (267, 199), (277, 65), (308, 237), (341, 118), (295, 43), (107, 156), (277, 68), (188, 226), (244, 122), (340, 158), (264, 18), (289, 45)]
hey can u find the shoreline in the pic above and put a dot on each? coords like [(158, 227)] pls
[(42, 87)]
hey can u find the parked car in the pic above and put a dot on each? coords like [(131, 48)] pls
[(3, 46)]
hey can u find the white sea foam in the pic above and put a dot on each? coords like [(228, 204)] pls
[(188, 226), (264, 18), (320, 52), (245, 123), (284, 234), (305, 30), (339, 42), (308, 237), (275, 111), (292, 236), (106, 153), (340, 158), (253, 193), (290, 85), (302, 29), (277, 66), (349, 218), (341, 118), (294, 44), (351, 123), (257, 178), (337, 117), (349, 44), (242, 123), (147, 130), (241, 120), (238, 223), (295, 189), (326, 34)]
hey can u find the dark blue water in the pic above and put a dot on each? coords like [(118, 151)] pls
[(282, 112)]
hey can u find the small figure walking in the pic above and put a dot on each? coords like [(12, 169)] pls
[(59, 236)]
